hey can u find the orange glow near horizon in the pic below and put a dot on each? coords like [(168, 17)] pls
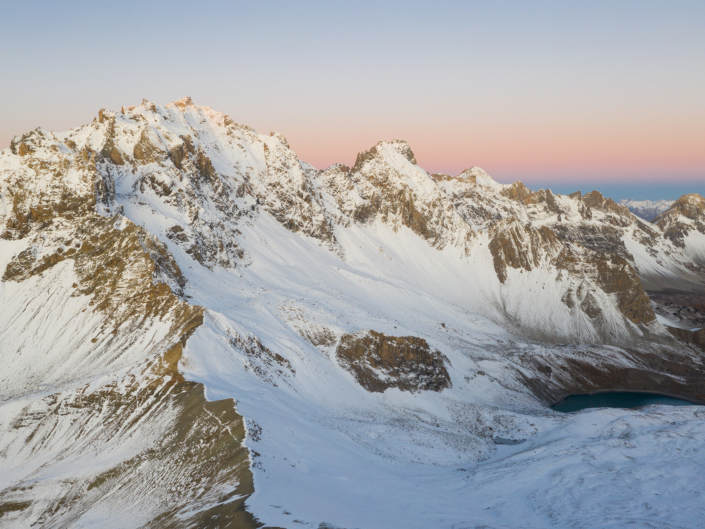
[(542, 149), (566, 153), (603, 92)]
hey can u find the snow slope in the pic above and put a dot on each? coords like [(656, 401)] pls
[(217, 241), (324, 447)]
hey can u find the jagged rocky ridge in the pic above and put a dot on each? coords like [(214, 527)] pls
[(95, 413), (156, 224)]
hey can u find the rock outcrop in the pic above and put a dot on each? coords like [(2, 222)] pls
[(521, 247), (686, 215), (386, 185), (379, 362), (94, 412), (176, 455)]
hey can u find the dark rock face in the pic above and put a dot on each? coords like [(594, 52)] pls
[(686, 307), (696, 338), (655, 367), (603, 238), (519, 246), (379, 362), (617, 276), (267, 365)]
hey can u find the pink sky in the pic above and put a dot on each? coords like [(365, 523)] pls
[(538, 149), (544, 91), (542, 150)]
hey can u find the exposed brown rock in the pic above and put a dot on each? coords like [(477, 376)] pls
[(612, 274), (204, 165), (132, 280), (590, 306), (660, 369), (178, 154), (518, 246), (110, 150), (183, 104), (27, 143), (117, 268), (373, 153), (691, 207), (519, 192), (28, 213), (602, 238), (149, 105), (318, 335), (155, 184), (145, 151), (522, 247), (595, 200), (293, 200), (379, 362), (198, 460), (696, 338), (617, 276), (24, 149)]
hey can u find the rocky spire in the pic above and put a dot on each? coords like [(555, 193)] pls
[(183, 103)]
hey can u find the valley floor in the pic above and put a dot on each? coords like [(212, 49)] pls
[(371, 469)]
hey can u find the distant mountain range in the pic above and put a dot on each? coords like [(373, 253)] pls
[(647, 209), (198, 329)]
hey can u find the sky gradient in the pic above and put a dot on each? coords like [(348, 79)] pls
[(567, 95)]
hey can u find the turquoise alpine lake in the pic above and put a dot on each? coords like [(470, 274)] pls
[(616, 399)]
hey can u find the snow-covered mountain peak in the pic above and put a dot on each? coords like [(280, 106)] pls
[(387, 185), (194, 177), (479, 176), (690, 206), (182, 104), (280, 138), (366, 321), (337, 168), (386, 152), (472, 176), (684, 225), (646, 209)]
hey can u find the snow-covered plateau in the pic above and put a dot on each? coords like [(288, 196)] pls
[(198, 329)]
